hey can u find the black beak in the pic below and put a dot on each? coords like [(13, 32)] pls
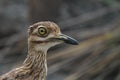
[(67, 39)]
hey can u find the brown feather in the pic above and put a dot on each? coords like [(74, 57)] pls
[(34, 66)]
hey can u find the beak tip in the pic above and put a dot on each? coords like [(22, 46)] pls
[(72, 41), (75, 43)]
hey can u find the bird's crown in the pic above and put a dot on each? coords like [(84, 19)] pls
[(43, 29)]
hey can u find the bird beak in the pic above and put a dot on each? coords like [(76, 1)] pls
[(67, 39)]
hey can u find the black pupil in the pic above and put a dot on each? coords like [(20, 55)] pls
[(42, 30)]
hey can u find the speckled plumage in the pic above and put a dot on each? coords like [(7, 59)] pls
[(35, 64)]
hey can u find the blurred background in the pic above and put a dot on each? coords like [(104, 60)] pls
[(95, 23)]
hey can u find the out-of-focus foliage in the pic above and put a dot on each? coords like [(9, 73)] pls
[(95, 23), (115, 3)]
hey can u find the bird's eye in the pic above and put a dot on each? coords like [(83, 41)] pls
[(42, 31)]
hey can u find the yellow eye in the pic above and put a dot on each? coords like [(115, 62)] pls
[(42, 31)]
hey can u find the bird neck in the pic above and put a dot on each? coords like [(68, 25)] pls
[(36, 62)]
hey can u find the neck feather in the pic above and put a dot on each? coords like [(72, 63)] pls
[(36, 62)]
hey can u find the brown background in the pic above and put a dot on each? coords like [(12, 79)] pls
[(95, 23)]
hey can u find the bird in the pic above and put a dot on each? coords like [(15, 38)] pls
[(41, 36)]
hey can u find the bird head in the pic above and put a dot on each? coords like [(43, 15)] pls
[(47, 34)]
